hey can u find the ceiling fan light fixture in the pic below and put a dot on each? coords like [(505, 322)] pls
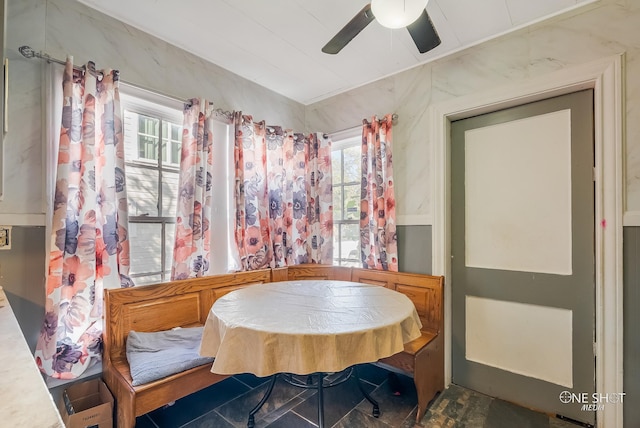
[(397, 13)]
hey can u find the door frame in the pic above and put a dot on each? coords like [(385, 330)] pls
[(604, 76)]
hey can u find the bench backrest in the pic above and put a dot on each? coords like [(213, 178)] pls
[(316, 271), (149, 308), (425, 291)]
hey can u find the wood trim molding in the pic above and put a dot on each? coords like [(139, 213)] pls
[(604, 76), (22, 219), (414, 220), (631, 218)]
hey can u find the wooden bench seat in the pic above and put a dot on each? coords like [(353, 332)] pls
[(153, 308), (414, 346)]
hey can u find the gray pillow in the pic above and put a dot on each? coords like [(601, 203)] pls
[(159, 354)]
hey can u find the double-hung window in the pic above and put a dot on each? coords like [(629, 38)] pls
[(153, 139), (346, 172)]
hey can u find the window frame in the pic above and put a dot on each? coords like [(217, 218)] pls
[(165, 109)]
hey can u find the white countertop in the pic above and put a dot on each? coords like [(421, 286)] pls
[(24, 398)]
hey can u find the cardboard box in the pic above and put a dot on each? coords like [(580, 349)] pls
[(87, 405)]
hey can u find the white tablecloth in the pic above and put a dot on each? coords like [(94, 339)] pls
[(308, 326)]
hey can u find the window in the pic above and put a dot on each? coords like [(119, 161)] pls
[(346, 166), (153, 142), (152, 139)]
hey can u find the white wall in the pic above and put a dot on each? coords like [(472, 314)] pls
[(598, 30)]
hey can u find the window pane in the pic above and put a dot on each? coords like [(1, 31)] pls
[(169, 193), (336, 167), (352, 202), (165, 131), (336, 242), (147, 125), (350, 241), (352, 164), (165, 145), (169, 231), (337, 203), (148, 130), (142, 190), (175, 152), (145, 241), (176, 148), (147, 147), (171, 143)]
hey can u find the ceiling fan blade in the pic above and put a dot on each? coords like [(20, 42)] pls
[(424, 33), (349, 31)]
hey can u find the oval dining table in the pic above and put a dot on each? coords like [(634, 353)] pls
[(307, 327)]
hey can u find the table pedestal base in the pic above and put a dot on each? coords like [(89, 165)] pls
[(251, 423), (320, 385)]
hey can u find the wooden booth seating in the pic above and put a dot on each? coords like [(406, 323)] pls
[(422, 358), (186, 303), (155, 308)]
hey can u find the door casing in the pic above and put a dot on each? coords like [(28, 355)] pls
[(605, 78)]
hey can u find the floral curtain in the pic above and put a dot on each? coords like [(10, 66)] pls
[(89, 243), (192, 246), (378, 239), (283, 196)]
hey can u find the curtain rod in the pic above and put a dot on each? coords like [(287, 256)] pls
[(28, 52), (394, 119)]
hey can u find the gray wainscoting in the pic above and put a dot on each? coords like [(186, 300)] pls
[(22, 277), (414, 249), (631, 251)]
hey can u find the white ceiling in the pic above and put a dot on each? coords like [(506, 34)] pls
[(277, 43)]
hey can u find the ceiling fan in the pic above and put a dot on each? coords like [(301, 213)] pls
[(391, 14)]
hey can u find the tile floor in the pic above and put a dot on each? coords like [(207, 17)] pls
[(227, 404)]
